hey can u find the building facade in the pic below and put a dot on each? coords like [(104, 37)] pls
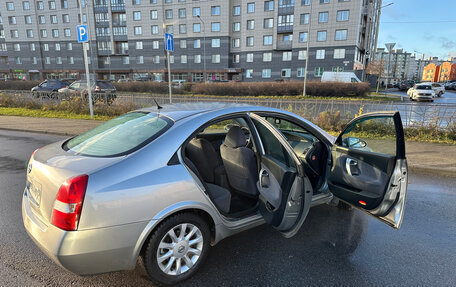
[(230, 40), (439, 73), (399, 64)]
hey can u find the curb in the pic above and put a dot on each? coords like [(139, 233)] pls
[(38, 132)]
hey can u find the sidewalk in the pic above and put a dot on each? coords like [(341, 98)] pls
[(431, 158)]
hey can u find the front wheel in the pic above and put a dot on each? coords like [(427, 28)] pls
[(177, 248)]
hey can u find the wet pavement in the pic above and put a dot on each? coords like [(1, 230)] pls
[(334, 247)]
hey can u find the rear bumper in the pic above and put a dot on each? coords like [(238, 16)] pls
[(85, 251)]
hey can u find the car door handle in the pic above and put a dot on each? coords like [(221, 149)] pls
[(352, 166), (264, 179)]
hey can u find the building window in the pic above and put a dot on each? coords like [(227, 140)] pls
[(34, 61), (53, 19), (236, 58), (337, 69), (47, 60), (236, 10), (154, 29), (197, 59), (215, 43), (324, 1), (43, 33), (58, 60), (266, 73), (26, 5), (196, 11), (323, 17), (28, 19), (268, 23), (71, 60), (125, 60), (215, 10), (17, 47), (267, 40), (10, 6), (236, 26), (304, 19), (182, 28), (305, 2), (182, 13), (136, 15), (140, 60), (286, 73), (41, 19), (343, 15), (18, 60), (321, 36), (197, 44), (64, 4), (250, 41), (12, 20), (250, 24), (341, 35), (171, 59), (196, 28), (285, 20), (215, 27), (303, 37), (45, 47), (32, 47), (320, 54), (236, 43), (300, 72), (250, 7), (138, 30), (183, 44), (153, 14), (169, 29), (249, 73), (139, 45), (267, 57), (156, 59), (136, 2), (155, 45), (302, 55), (268, 6), (216, 59), (52, 5), (169, 14), (249, 58), (286, 56), (40, 5), (67, 32), (57, 46), (66, 18), (339, 53), (183, 59), (70, 46), (318, 71)]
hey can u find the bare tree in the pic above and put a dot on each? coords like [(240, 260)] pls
[(376, 67)]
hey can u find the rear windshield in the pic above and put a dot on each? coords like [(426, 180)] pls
[(105, 85), (119, 136), (423, 87)]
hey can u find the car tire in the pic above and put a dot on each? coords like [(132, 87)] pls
[(177, 249)]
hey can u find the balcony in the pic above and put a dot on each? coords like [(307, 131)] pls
[(100, 8), (285, 28), (104, 52), (120, 38), (118, 23), (118, 7), (102, 24), (286, 10), (284, 45)]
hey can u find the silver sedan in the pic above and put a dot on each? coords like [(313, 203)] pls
[(166, 183)]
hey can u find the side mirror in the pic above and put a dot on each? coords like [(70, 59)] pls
[(352, 142)]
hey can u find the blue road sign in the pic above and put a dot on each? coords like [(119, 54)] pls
[(82, 33), (169, 42)]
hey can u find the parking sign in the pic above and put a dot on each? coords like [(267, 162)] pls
[(82, 33), (169, 42)]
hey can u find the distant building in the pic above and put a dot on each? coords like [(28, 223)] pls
[(439, 73), (399, 66)]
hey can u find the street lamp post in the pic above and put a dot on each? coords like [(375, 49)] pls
[(204, 48), (307, 51)]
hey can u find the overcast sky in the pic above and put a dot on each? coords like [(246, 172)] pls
[(427, 26)]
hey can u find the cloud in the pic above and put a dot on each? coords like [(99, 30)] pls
[(447, 43)]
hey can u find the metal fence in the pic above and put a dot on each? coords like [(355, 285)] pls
[(413, 114)]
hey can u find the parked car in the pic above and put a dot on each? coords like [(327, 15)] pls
[(450, 85), (345, 77), (166, 183), (405, 85), (438, 88), (48, 86), (101, 89), (421, 92), (178, 83)]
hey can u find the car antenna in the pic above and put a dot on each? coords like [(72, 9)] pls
[(158, 106)]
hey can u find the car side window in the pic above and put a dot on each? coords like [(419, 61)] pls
[(272, 146), (224, 126), (43, 84), (376, 135)]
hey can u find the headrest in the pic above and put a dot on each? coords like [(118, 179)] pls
[(235, 137)]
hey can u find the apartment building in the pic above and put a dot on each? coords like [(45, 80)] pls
[(231, 40), (399, 64)]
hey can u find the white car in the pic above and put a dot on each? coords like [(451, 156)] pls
[(421, 92), (439, 89)]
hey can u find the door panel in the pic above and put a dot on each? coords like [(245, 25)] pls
[(369, 171), (285, 191)]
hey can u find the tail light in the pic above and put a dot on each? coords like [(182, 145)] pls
[(97, 89), (68, 203)]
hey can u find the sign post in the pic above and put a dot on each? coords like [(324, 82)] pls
[(169, 47), (83, 37)]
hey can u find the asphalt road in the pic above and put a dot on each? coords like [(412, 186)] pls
[(334, 247)]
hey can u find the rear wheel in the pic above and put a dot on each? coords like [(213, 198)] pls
[(177, 248)]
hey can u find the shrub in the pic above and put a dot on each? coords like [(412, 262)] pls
[(330, 121), (18, 85), (292, 88)]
